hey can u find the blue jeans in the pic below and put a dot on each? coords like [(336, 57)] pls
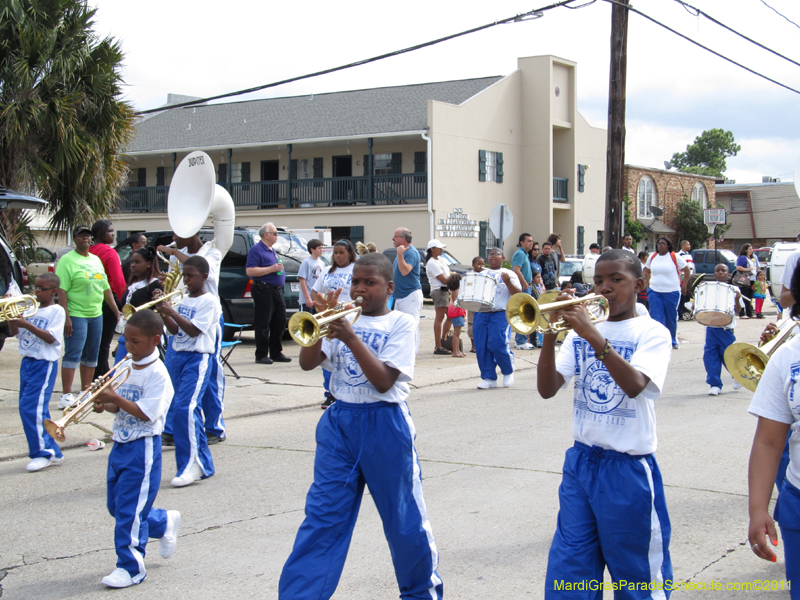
[(83, 346), (664, 309), (518, 337)]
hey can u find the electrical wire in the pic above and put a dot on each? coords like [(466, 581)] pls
[(779, 14), (706, 48), (535, 13), (698, 12)]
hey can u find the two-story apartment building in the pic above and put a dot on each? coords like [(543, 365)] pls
[(432, 157)]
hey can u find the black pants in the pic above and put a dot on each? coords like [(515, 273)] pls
[(109, 324), (270, 319), (747, 292)]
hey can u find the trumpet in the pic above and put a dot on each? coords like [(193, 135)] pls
[(747, 362), (307, 329), (85, 404), (18, 306), (129, 309), (526, 315)]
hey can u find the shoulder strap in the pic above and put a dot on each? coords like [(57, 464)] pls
[(675, 260)]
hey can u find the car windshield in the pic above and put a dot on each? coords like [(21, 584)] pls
[(288, 244), (568, 268)]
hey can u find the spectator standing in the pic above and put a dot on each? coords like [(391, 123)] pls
[(662, 275), (594, 248), (407, 287), (521, 265), (438, 273), (746, 270), (627, 243), (310, 270), (686, 254), (642, 297), (533, 259), (549, 264), (265, 267), (103, 235), (135, 241), (557, 250)]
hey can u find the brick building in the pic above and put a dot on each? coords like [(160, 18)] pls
[(645, 187)]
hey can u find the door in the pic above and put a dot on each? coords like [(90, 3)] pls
[(270, 171), (343, 167)]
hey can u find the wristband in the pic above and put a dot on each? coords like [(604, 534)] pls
[(604, 354)]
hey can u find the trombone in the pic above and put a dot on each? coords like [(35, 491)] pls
[(307, 329), (85, 405), (747, 362), (526, 315), (18, 306)]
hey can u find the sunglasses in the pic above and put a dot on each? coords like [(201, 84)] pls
[(44, 289)]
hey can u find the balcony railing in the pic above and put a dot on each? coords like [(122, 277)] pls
[(411, 188), (560, 189)]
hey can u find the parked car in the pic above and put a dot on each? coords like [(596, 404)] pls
[(777, 264), (452, 262), (234, 284), (762, 254), (570, 264), (705, 261), (43, 261)]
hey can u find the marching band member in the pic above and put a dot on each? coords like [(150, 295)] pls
[(491, 330)]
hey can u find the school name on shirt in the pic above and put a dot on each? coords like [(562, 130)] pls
[(598, 393)]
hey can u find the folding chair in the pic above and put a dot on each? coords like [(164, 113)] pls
[(226, 348)]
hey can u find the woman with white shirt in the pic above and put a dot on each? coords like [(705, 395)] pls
[(438, 273), (666, 275)]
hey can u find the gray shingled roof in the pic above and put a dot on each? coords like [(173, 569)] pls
[(379, 110)]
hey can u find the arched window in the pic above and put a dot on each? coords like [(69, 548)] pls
[(700, 195), (647, 196)]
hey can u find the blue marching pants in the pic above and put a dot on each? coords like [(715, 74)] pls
[(36, 381), (787, 513), (360, 444), (490, 332), (213, 397), (189, 372), (717, 341), (664, 309), (611, 513), (133, 477)]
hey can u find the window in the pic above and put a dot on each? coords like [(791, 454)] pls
[(137, 177), (222, 173), (240, 172), (164, 176), (740, 203), (700, 195), (490, 166), (646, 196), (387, 163)]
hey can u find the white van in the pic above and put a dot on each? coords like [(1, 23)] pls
[(777, 263)]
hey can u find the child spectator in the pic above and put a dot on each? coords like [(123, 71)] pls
[(642, 297), (537, 289), (310, 270), (134, 464), (577, 283), (612, 508), (719, 338), (366, 437), (760, 293), (40, 344), (456, 314)]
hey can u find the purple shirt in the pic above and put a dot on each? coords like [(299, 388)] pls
[(262, 256)]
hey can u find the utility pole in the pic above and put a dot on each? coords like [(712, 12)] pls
[(615, 154)]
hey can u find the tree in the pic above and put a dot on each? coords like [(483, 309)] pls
[(633, 227), (689, 223), (706, 156), (62, 123)]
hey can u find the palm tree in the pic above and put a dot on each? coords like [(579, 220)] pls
[(62, 122)]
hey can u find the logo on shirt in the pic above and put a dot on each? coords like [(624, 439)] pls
[(795, 375), (28, 341), (348, 372), (334, 281), (187, 313), (126, 426), (597, 390)]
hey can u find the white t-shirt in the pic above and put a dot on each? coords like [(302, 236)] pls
[(330, 282), (788, 270), (777, 398), (603, 414), (628, 249), (214, 258), (310, 270), (501, 293), (435, 267), (203, 312), (151, 389), (393, 338), (663, 274), (51, 319), (687, 256)]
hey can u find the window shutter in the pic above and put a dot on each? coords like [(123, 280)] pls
[(245, 172), (293, 168), (482, 165), (160, 177), (223, 174), (356, 234), (581, 173), (397, 163), (366, 165), (141, 176), (499, 177), (484, 225), (420, 162), (318, 168)]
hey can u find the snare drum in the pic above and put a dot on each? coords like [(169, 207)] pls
[(714, 304), (476, 292)]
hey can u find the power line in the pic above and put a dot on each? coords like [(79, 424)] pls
[(779, 14), (706, 48), (697, 12), (533, 14)]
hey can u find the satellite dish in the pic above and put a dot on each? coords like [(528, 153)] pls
[(667, 165), (797, 177), (657, 211)]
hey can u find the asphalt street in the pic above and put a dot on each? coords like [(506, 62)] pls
[(491, 462)]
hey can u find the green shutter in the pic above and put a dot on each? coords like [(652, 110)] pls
[(223, 174), (581, 174), (245, 172), (293, 168), (484, 225), (499, 178), (482, 165), (318, 168), (366, 165), (159, 177), (420, 162), (397, 163)]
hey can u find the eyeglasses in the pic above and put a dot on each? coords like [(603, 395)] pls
[(44, 289), (535, 249)]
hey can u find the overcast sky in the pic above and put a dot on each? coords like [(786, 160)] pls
[(675, 90)]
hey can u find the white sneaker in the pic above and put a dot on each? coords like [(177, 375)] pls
[(487, 384), (66, 401), (508, 380), (191, 475), (37, 464), (120, 578), (166, 545), (737, 386), (525, 346), (714, 391)]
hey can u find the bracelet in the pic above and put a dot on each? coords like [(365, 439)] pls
[(604, 354)]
